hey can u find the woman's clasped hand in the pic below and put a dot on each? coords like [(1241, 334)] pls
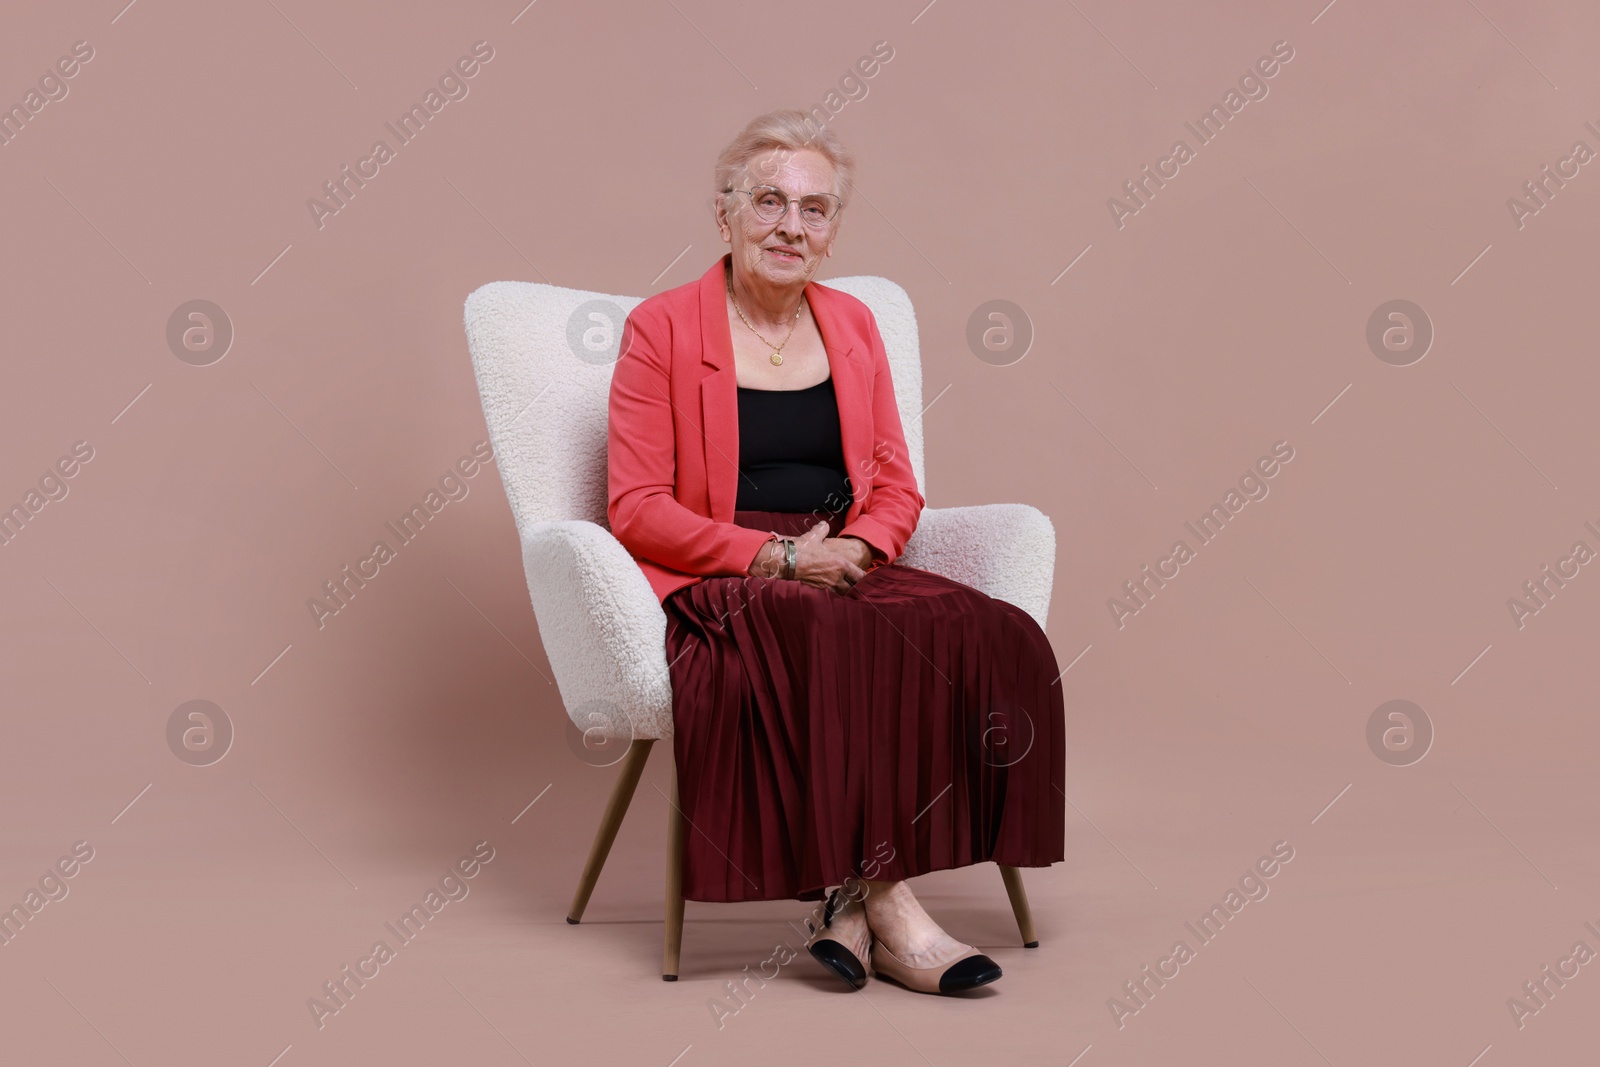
[(836, 563)]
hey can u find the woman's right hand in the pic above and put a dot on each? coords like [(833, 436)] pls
[(822, 564)]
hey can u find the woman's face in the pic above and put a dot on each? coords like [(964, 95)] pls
[(785, 253)]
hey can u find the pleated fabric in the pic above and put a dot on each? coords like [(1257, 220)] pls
[(913, 724)]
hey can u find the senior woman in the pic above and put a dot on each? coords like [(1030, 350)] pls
[(833, 710)]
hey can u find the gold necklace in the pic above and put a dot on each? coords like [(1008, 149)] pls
[(777, 350)]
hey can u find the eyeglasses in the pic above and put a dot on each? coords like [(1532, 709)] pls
[(771, 204)]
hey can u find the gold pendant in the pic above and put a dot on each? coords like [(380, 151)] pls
[(777, 359)]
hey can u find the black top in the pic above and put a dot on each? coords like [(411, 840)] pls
[(790, 455)]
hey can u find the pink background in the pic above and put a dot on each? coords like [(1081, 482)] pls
[(1230, 313)]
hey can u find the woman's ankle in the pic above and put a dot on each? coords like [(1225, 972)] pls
[(885, 892)]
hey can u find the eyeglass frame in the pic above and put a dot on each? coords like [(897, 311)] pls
[(827, 221)]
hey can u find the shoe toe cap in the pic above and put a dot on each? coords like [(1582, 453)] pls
[(969, 973), (840, 960)]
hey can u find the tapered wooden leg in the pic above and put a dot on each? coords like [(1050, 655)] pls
[(621, 795), (674, 909), (1019, 905)]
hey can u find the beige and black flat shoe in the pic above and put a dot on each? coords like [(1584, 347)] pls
[(967, 971), (836, 955)]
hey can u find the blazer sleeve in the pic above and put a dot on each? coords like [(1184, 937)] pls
[(641, 465), (893, 503)]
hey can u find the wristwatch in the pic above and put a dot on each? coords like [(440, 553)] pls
[(789, 554)]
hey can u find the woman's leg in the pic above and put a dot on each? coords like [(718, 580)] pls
[(896, 918)]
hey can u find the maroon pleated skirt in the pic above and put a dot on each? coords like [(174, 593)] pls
[(913, 724)]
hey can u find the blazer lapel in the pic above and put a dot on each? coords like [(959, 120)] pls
[(847, 364), (719, 402), (719, 399)]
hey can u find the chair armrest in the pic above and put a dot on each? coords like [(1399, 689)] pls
[(1005, 550), (603, 629)]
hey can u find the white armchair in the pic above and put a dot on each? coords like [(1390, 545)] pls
[(543, 357)]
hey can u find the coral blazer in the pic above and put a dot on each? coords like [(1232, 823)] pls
[(673, 435)]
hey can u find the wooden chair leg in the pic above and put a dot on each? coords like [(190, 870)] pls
[(1019, 905), (674, 902), (621, 795)]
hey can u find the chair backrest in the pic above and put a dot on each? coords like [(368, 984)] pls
[(543, 357)]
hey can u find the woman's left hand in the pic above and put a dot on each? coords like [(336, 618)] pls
[(859, 552)]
